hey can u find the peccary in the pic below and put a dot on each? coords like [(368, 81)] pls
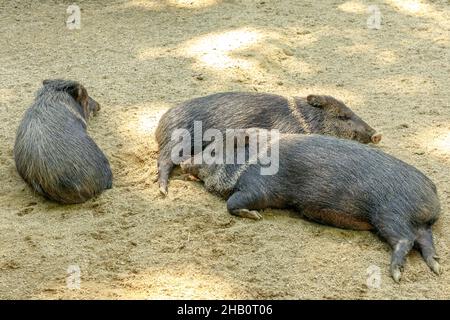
[(53, 152), (336, 182), (233, 110)]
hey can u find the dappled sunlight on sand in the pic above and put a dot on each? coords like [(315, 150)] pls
[(436, 141), (194, 4), (241, 55), (186, 282), (411, 6), (145, 4), (7, 95), (422, 8), (142, 120), (246, 55), (386, 57), (216, 50), (442, 143), (353, 7), (149, 121), (135, 132), (161, 4), (181, 284)]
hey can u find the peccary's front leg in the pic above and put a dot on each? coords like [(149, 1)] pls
[(240, 204)]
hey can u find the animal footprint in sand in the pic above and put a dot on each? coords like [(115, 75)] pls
[(27, 209)]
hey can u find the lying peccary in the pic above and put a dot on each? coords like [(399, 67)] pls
[(232, 110), (336, 182), (53, 152)]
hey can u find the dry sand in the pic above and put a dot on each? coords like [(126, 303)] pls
[(138, 58)]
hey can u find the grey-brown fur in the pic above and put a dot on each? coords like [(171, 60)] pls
[(337, 182), (53, 151), (237, 110)]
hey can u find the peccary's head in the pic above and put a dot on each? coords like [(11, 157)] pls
[(76, 90), (340, 121), (196, 167), (188, 166)]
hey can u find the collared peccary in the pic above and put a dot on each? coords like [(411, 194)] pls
[(235, 110), (53, 152), (336, 182)]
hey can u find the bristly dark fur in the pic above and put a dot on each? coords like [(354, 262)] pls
[(53, 152), (238, 110), (340, 183)]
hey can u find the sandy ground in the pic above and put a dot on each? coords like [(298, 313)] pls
[(138, 58)]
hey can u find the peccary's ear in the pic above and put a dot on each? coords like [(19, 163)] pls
[(79, 93), (316, 100), (46, 82)]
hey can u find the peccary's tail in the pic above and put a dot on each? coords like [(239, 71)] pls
[(424, 242)]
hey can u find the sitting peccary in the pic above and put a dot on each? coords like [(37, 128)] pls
[(53, 152), (233, 110), (336, 182)]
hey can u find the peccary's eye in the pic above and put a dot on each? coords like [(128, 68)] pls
[(343, 117)]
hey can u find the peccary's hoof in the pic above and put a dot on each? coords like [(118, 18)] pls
[(245, 213), (376, 138), (434, 266), (190, 177), (163, 191), (255, 215), (396, 274)]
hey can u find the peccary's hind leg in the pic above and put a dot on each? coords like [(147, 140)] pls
[(241, 204), (401, 238), (401, 250), (424, 241)]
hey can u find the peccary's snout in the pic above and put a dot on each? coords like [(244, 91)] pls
[(365, 133), (188, 166), (372, 136), (93, 106), (376, 138)]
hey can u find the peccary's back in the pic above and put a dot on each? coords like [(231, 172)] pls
[(338, 172), (55, 155), (229, 110)]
